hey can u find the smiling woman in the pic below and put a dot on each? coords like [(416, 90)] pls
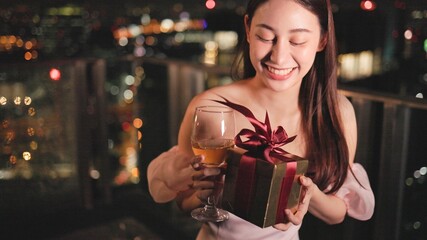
[(289, 70), (284, 39), (61, 152)]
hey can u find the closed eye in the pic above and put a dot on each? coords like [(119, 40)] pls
[(297, 43), (264, 39)]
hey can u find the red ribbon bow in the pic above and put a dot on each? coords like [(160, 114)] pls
[(263, 143), (263, 139)]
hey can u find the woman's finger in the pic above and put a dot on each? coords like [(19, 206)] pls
[(296, 218), (205, 174), (197, 184), (203, 195), (282, 226), (196, 162)]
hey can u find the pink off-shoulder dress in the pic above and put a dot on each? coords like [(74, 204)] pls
[(359, 200)]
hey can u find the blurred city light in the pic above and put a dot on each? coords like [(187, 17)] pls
[(210, 4), (408, 34), (55, 74), (368, 5)]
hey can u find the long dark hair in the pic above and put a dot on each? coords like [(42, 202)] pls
[(325, 141)]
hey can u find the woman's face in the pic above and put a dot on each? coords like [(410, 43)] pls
[(283, 40)]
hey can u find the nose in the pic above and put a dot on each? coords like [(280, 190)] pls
[(280, 53)]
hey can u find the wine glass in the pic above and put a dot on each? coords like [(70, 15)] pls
[(212, 135)]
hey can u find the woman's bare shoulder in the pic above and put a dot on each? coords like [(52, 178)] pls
[(346, 108), (233, 92)]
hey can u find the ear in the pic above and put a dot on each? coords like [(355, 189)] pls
[(322, 43), (247, 27)]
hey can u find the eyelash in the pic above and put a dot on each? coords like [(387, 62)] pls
[(297, 44), (264, 40), (273, 40)]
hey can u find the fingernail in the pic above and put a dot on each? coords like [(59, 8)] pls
[(196, 166)]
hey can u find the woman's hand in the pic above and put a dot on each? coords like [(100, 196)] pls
[(203, 186), (204, 182), (308, 188), (170, 173), (179, 171)]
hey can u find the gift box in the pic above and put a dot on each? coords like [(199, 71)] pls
[(262, 196), (261, 182)]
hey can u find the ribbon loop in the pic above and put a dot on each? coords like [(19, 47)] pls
[(263, 137)]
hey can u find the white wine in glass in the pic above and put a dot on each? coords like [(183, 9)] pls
[(212, 135)]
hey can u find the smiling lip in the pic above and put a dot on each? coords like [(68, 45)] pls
[(279, 74)]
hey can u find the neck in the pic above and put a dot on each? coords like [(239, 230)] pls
[(284, 102)]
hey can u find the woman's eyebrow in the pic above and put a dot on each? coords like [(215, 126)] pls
[(263, 25), (294, 30), (300, 30)]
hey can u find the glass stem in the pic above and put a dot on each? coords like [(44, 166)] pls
[(210, 208)]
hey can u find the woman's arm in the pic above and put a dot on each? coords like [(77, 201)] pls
[(328, 207)]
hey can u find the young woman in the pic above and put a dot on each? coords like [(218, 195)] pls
[(289, 70)]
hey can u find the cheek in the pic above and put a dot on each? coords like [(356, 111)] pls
[(259, 50), (306, 56), (257, 54)]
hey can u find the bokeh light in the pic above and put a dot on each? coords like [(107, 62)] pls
[(368, 5), (55, 74), (26, 156), (210, 4)]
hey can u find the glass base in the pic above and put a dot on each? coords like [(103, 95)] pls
[(209, 214)]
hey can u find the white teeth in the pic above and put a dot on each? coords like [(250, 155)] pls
[(280, 71)]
